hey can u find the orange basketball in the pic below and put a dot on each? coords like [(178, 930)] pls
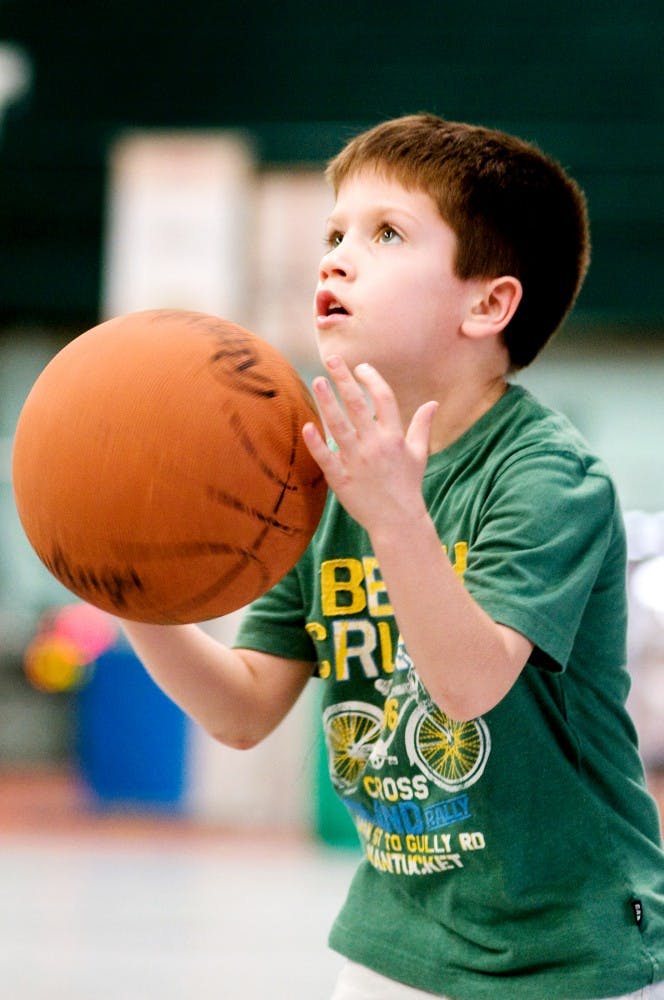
[(159, 469)]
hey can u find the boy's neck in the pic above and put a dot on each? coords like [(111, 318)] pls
[(458, 409), (457, 419)]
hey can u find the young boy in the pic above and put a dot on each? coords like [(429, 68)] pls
[(463, 599)]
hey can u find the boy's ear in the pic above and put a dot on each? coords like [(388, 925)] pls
[(493, 308)]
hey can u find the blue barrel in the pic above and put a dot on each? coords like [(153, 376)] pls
[(131, 737)]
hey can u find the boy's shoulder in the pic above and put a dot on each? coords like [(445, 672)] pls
[(529, 429), (523, 456)]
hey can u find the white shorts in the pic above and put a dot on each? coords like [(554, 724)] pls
[(356, 982)]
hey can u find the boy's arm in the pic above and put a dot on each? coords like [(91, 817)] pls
[(467, 662), (238, 695), (442, 624)]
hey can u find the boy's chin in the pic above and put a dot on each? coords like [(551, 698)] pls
[(330, 350), (339, 347)]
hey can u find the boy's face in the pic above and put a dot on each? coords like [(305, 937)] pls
[(387, 293)]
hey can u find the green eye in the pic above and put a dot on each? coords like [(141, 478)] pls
[(388, 235)]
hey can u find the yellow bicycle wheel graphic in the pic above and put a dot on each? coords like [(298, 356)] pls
[(351, 728), (452, 754)]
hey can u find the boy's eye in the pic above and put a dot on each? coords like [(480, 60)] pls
[(387, 234), (333, 239)]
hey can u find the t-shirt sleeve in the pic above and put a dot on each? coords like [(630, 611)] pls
[(543, 536), (275, 623)]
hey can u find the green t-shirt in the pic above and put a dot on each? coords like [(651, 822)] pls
[(518, 854)]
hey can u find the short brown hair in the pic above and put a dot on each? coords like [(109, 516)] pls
[(514, 211)]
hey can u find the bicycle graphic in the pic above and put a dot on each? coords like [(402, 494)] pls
[(451, 754)]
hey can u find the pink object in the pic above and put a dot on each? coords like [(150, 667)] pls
[(91, 630)]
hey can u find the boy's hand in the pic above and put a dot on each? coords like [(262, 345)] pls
[(377, 471)]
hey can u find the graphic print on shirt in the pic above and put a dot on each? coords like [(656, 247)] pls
[(402, 827)]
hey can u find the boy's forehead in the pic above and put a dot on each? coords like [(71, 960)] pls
[(374, 175), (371, 188)]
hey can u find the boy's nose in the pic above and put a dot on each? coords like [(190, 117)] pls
[(336, 263)]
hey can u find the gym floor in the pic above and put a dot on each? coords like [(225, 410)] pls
[(124, 907), (121, 907)]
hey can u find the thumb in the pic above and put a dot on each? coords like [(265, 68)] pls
[(419, 430)]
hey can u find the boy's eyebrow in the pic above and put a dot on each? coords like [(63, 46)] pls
[(379, 211)]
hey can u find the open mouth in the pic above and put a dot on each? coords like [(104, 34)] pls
[(328, 305)]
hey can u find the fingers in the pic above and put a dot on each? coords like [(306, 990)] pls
[(365, 405), (349, 418), (354, 413), (334, 414), (382, 397), (418, 434), (319, 451)]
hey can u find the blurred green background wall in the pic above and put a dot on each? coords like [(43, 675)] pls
[(582, 79)]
